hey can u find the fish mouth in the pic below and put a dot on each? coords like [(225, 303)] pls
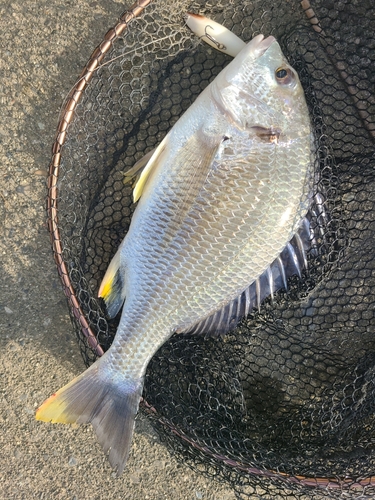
[(259, 45)]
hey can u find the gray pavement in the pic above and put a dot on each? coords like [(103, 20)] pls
[(43, 47)]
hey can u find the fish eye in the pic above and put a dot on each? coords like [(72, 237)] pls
[(281, 73), (284, 75)]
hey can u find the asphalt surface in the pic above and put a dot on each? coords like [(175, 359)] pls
[(43, 47)]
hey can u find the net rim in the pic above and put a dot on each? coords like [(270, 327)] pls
[(66, 118)]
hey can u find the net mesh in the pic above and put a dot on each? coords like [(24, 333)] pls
[(283, 407)]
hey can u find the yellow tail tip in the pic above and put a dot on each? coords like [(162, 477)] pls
[(52, 410)]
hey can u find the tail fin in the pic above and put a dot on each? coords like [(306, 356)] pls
[(111, 408)]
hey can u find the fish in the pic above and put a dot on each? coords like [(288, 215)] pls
[(219, 202)]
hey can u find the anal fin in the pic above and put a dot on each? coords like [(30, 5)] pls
[(112, 287)]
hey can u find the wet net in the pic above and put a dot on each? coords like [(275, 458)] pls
[(283, 407)]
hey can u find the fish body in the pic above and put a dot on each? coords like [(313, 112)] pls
[(220, 199)]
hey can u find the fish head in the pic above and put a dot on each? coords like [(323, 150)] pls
[(260, 89)]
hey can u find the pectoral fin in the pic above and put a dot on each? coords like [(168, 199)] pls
[(198, 152)]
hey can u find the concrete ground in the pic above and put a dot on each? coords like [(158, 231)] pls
[(43, 46)]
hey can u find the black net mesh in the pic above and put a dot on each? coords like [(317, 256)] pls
[(284, 406)]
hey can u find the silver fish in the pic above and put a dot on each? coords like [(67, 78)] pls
[(220, 198)]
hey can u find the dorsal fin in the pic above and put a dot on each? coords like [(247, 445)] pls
[(152, 163), (135, 172), (291, 261)]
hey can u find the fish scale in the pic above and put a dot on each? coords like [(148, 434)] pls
[(221, 197), (208, 283)]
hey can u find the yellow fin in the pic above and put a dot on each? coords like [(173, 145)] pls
[(136, 170), (54, 408), (151, 165), (110, 404), (112, 287)]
